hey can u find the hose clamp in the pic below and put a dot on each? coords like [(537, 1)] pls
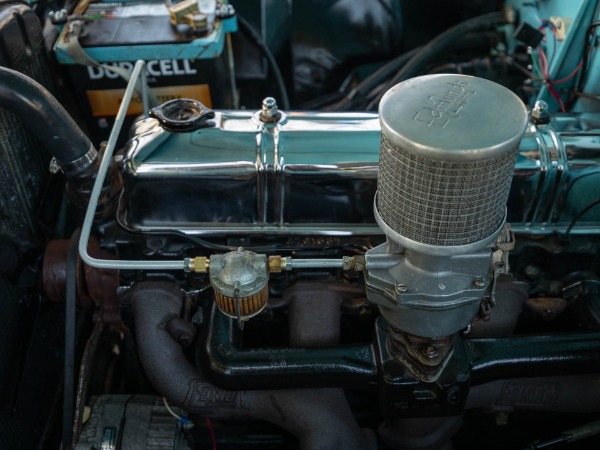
[(83, 162)]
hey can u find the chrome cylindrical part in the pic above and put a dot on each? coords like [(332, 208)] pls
[(448, 150)]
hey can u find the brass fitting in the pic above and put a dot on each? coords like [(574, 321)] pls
[(278, 264), (199, 264), (275, 263)]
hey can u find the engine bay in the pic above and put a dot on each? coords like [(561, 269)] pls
[(300, 224)]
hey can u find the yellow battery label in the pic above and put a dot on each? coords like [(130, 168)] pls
[(106, 102)]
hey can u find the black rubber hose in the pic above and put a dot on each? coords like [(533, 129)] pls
[(249, 29), (14, 2), (69, 363), (312, 415), (434, 48), (372, 81), (43, 115)]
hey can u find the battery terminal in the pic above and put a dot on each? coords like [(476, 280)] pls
[(187, 13)]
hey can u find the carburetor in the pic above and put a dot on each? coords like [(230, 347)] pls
[(441, 201)]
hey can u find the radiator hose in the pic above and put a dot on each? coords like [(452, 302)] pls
[(48, 120), (319, 418)]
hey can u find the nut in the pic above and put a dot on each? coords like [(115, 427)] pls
[(430, 351), (270, 112)]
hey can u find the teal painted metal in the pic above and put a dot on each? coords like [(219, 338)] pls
[(271, 368), (513, 357), (207, 47), (592, 82), (563, 56)]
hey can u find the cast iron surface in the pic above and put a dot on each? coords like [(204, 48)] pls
[(309, 414), (473, 362), (556, 354), (271, 368)]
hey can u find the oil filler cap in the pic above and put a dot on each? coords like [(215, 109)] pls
[(182, 115)]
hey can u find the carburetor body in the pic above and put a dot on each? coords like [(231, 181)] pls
[(441, 199)]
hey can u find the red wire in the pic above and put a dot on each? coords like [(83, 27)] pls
[(212, 433), (571, 75), (556, 96), (543, 62), (544, 68)]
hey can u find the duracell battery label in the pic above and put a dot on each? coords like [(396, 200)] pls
[(106, 102)]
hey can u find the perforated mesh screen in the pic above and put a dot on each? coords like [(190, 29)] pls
[(442, 202)]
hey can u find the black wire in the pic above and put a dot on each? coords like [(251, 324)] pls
[(437, 46), (249, 29), (266, 248), (587, 48), (587, 95), (204, 243), (372, 81), (324, 101), (344, 100), (14, 2), (554, 48), (580, 214), (69, 362)]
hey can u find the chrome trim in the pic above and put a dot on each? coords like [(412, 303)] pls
[(556, 175)]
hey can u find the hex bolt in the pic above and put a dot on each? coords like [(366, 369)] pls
[(479, 283), (400, 288), (430, 351), (270, 112), (539, 108), (539, 113), (453, 395)]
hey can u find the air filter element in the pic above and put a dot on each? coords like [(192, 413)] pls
[(448, 150)]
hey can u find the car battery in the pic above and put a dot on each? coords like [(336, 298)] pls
[(181, 61)]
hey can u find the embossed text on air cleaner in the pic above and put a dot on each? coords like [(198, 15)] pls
[(438, 110)]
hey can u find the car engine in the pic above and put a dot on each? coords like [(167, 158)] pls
[(299, 224)]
